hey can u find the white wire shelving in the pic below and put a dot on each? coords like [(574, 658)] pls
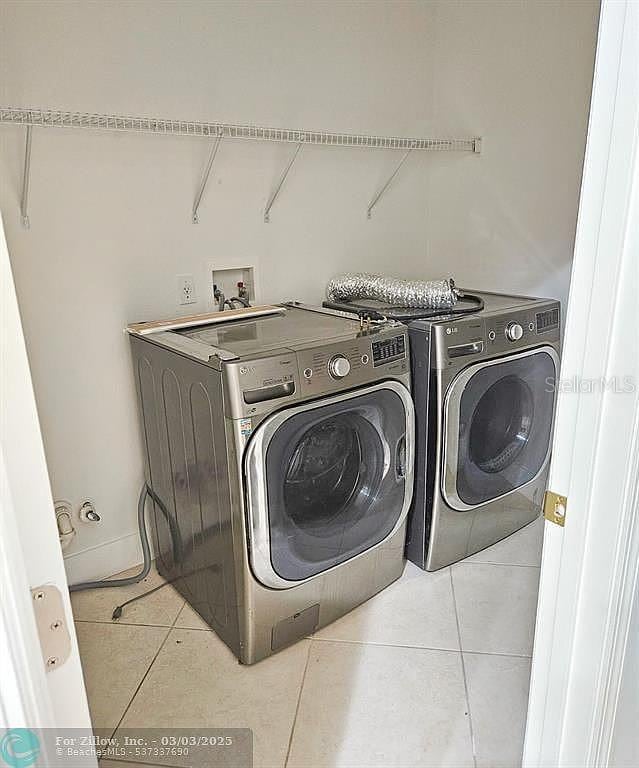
[(48, 118)]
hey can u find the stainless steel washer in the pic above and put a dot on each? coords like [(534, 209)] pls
[(484, 392), (281, 451)]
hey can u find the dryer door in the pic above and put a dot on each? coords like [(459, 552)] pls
[(498, 419), (327, 480)]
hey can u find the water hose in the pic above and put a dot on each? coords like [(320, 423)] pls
[(146, 552)]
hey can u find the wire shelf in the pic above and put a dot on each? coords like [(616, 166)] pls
[(49, 118), (46, 118)]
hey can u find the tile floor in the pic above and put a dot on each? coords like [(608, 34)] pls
[(432, 672)]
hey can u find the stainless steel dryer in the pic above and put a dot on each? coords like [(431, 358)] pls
[(484, 391), (280, 452)]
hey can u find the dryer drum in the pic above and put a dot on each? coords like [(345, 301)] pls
[(501, 424), (427, 294)]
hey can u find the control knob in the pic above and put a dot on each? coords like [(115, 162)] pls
[(339, 367), (514, 331)]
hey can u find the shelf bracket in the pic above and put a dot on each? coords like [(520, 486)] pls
[(385, 186), (24, 201), (280, 184), (205, 178)]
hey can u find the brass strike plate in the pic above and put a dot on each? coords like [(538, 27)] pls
[(555, 508)]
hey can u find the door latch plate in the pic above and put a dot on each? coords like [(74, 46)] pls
[(555, 508), (55, 640)]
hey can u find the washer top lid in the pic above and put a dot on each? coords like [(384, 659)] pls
[(294, 329)]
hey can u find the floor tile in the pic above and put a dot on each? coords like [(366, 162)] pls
[(521, 548), (498, 731), (158, 609), (189, 618), (114, 659), (196, 682), (371, 705), (417, 610), (496, 606)]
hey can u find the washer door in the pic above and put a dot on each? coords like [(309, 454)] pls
[(328, 480), (498, 419)]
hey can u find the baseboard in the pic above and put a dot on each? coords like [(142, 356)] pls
[(104, 560)]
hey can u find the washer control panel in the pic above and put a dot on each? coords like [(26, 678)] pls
[(387, 350), (338, 367), (352, 362)]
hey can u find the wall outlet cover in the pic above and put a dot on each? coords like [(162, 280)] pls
[(186, 289)]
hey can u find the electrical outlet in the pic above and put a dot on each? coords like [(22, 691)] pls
[(186, 289)]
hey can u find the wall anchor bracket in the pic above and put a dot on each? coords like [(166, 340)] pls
[(205, 178), (55, 641), (280, 184), (24, 202), (385, 186)]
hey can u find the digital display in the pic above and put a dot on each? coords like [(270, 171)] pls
[(548, 320), (387, 350)]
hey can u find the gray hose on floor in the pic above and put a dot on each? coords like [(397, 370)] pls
[(146, 551)]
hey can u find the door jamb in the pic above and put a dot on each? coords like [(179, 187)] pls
[(588, 576)]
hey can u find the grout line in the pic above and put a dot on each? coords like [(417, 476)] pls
[(420, 647), (146, 674), (384, 645), (118, 623), (463, 666), (503, 565), (499, 653), (297, 707)]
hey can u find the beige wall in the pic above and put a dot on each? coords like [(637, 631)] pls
[(110, 214)]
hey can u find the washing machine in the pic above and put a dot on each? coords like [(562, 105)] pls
[(484, 392), (280, 453)]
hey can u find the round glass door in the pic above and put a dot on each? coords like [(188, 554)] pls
[(335, 465), (501, 424), (335, 482), (499, 427)]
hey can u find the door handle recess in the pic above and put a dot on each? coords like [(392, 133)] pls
[(400, 457)]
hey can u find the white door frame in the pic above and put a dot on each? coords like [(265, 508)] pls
[(589, 568), (30, 553), (24, 696)]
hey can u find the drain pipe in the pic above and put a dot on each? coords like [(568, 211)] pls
[(66, 531)]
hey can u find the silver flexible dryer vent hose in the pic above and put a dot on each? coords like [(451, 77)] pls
[(427, 294)]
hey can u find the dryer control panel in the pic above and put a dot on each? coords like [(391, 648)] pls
[(463, 339), (523, 328)]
